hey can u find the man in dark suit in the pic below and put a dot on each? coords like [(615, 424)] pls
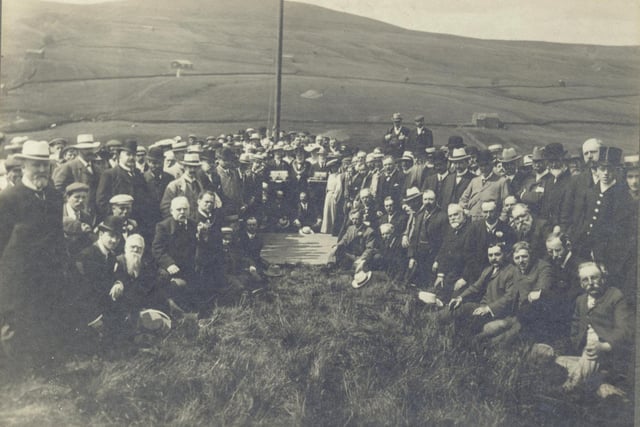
[(250, 245), (391, 257), (33, 303), (81, 169), (556, 187), (420, 139), (435, 181), (454, 184), (75, 195), (306, 214), (395, 137), (394, 216), (157, 181), (209, 260), (534, 186), (390, 183), (126, 179), (529, 229), (174, 250), (358, 245)]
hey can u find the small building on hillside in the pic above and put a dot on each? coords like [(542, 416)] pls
[(182, 64), (486, 120), (35, 53)]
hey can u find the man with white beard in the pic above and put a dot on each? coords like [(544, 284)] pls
[(136, 281), (529, 229)]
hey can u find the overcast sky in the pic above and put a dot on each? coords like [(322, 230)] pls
[(611, 22)]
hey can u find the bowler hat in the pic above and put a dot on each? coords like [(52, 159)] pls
[(155, 154), (610, 156), (455, 141), (129, 145), (114, 224), (439, 156), (554, 151), (58, 141), (484, 157), (113, 144)]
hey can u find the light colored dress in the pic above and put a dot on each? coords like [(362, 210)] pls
[(331, 199)]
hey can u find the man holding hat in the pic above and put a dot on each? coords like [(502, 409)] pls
[(396, 136), (126, 179), (81, 169), (32, 259), (186, 185)]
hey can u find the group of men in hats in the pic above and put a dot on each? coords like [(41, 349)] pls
[(514, 245)]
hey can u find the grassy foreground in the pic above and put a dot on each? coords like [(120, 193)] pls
[(309, 351)]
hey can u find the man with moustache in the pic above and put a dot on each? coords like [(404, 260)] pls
[(489, 298), (425, 239), (601, 332), (529, 229), (395, 137), (420, 139), (186, 185), (455, 183), (390, 257), (394, 216), (157, 180), (390, 183), (486, 186), (435, 181), (208, 263), (174, 250), (533, 188), (556, 187), (450, 265), (357, 247), (76, 195), (33, 303)]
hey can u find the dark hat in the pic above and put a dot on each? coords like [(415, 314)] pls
[(554, 151), (113, 144), (455, 141), (130, 145), (72, 226), (75, 187), (610, 156), (155, 154), (418, 118), (484, 157), (114, 224), (227, 155), (471, 150), (208, 155), (58, 141), (12, 163), (439, 156)]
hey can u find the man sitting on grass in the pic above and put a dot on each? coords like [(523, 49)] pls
[(356, 247), (488, 298), (601, 330)]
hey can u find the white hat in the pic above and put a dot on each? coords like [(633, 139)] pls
[(408, 155), (121, 199), (84, 138), (154, 320), (430, 298), (34, 150), (360, 279)]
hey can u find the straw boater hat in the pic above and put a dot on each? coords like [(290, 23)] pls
[(430, 299), (495, 149), (360, 279), (458, 154), (85, 141), (632, 162), (509, 155), (191, 159), (412, 194), (34, 150)]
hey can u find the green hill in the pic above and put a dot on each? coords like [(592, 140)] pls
[(106, 67)]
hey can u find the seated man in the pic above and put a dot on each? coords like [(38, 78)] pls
[(357, 246), (306, 214), (250, 244), (488, 298), (138, 282), (529, 229), (391, 257), (174, 250), (96, 265), (601, 331)]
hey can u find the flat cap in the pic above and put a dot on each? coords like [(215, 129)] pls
[(75, 187), (121, 199)]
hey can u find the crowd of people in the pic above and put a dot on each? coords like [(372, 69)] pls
[(99, 241)]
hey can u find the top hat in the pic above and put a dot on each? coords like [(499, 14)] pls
[(610, 156)]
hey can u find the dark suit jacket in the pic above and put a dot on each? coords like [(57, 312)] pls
[(431, 183), (392, 186), (450, 192), (453, 254), (307, 217), (611, 318), (97, 273), (250, 249), (395, 145), (174, 245), (418, 142), (576, 210), (118, 181), (479, 240), (532, 192), (428, 232), (495, 290), (555, 195), (156, 184), (398, 219), (75, 171)]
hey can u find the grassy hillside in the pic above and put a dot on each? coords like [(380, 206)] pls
[(109, 63), (310, 351)]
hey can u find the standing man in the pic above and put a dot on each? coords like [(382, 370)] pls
[(186, 185), (81, 169), (455, 183), (157, 181), (32, 263), (487, 186), (420, 139), (396, 136)]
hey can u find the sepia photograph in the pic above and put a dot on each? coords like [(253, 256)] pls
[(319, 212)]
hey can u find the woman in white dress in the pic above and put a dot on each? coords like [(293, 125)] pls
[(332, 197)]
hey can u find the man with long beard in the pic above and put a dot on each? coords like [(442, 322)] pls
[(32, 263)]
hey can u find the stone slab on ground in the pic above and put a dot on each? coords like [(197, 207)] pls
[(281, 248)]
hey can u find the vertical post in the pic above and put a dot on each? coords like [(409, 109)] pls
[(279, 71)]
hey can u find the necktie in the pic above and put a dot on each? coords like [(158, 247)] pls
[(89, 169), (40, 195)]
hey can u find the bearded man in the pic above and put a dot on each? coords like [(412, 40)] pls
[(529, 229), (32, 259)]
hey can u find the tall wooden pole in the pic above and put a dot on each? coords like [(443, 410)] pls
[(279, 72)]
